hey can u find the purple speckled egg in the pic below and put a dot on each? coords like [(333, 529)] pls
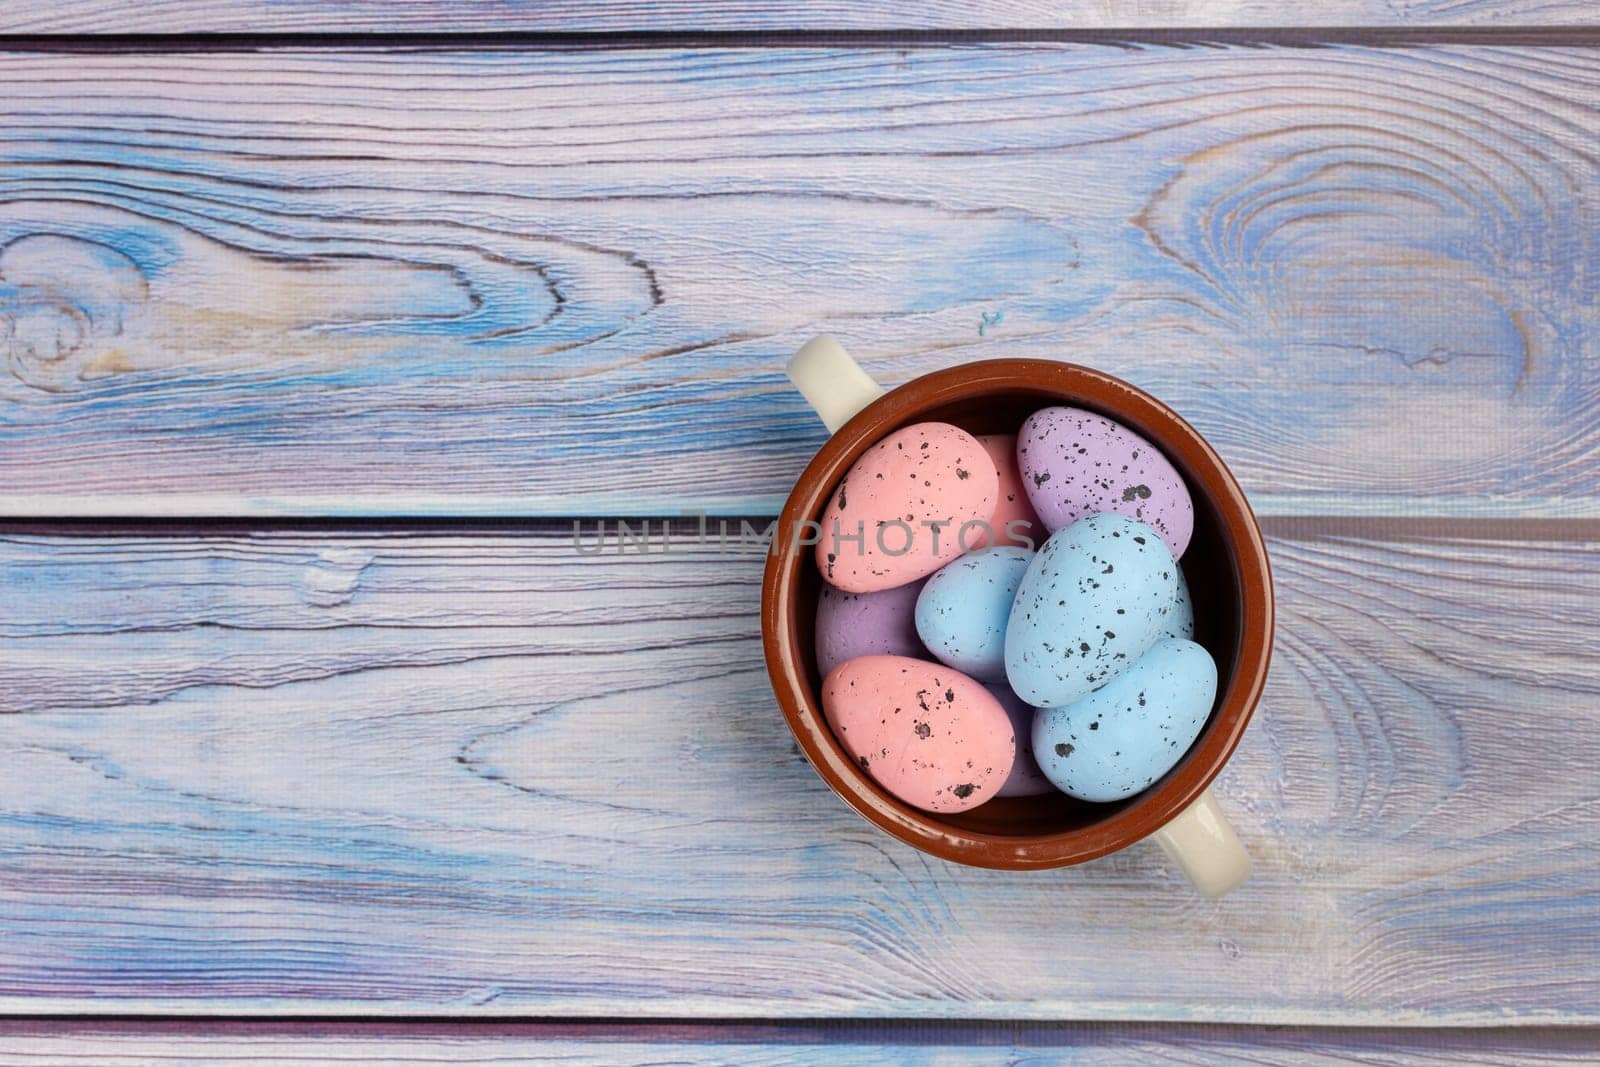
[(1025, 779), (867, 624), (1076, 463)]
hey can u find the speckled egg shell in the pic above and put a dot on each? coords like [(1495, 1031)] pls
[(1093, 599), (928, 734), (930, 472), (1076, 463), (1180, 620), (1025, 779), (962, 613), (1014, 521), (1118, 740), (867, 624)]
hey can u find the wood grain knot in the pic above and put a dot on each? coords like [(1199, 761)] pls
[(1389, 251), (92, 290), (62, 299)]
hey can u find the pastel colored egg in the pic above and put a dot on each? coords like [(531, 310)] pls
[(962, 612), (1093, 599), (866, 624), (928, 734), (1180, 620), (1119, 739), (897, 515), (1025, 779), (1076, 463), (1014, 521)]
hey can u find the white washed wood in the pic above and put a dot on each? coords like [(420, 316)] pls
[(476, 774), (1090, 1045), (566, 16), (417, 283)]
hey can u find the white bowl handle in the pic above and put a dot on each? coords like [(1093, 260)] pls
[(832, 383), (1201, 841)]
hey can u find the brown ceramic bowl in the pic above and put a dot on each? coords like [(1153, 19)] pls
[(1226, 564)]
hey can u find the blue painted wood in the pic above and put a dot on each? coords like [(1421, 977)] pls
[(541, 284), (475, 773), (568, 16), (88, 1044)]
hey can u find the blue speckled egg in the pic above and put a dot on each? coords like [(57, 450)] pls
[(1180, 620), (1119, 739), (963, 610), (1093, 599)]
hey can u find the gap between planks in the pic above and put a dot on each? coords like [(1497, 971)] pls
[(1377, 527), (1131, 37), (769, 1045)]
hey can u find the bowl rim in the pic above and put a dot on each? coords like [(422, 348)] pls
[(1071, 384)]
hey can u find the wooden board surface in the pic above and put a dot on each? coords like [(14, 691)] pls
[(543, 284), (90, 1044), (569, 16), (471, 773)]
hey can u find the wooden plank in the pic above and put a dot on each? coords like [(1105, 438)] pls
[(477, 774), (569, 16), (425, 283), (271, 1044)]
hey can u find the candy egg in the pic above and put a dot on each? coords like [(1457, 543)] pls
[(1119, 739), (962, 613), (1077, 463), (1179, 622), (928, 734), (1092, 601), (897, 515), (866, 624), (1014, 521), (1025, 779)]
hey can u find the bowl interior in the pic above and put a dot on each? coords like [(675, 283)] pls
[(1209, 564)]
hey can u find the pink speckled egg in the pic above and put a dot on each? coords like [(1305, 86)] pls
[(897, 515), (928, 734), (1076, 463), (1012, 507)]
